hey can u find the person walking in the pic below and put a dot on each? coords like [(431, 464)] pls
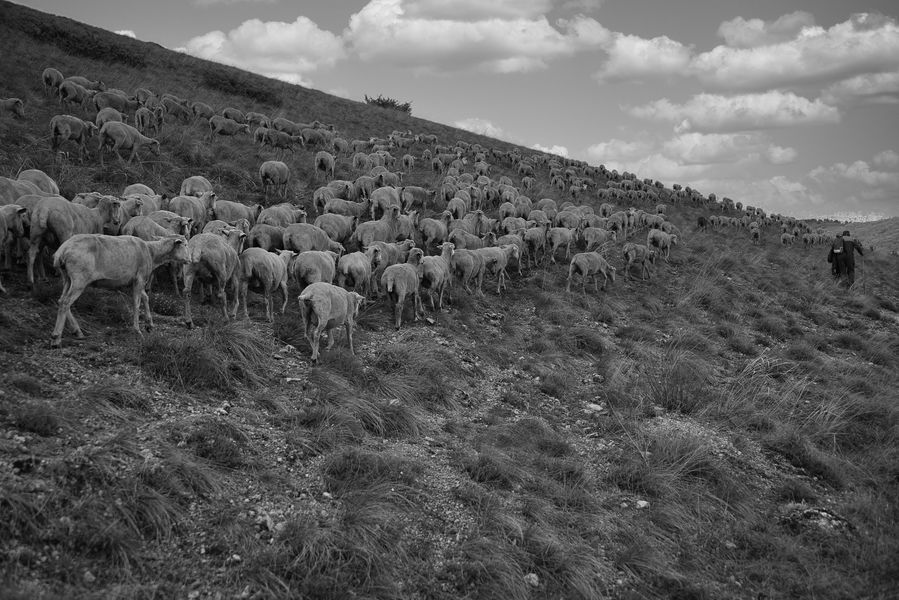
[(836, 248), (844, 257)]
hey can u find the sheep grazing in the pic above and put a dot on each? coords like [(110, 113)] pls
[(595, 237), (14, 106), (213, 258), (219, 125), (302, 237), (259, 119), (281, 215), (347, 208), (436, 273), (104, 115), (201, 110), (325, 163), (234, 114), (468, 265), (138, 188), (231, 212), (67, 127), (323, 307), (314, 265), (639, 254), (219, 226), (434, 231), (401, 280), (338, 227), (264, 270), (54, 220), (560, 236), (11, 228), (384, 229), (195, 185), (197, 209), (355, 269), (267, 237), (96, 86), (496, 259), (122, 136), (786, 239), (117, 101), (72, 93), (43, 181), (274, 174), (388, 254), (52, 79), (111, 262), (587, 264), (661, 240)]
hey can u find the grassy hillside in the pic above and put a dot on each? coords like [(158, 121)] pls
[(726, 429), (882, 235)]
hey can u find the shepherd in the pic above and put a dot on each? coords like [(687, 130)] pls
[(842, 258)]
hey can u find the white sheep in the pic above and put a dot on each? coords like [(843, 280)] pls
[(347, 208), (198, 209), (436, 273), (267, 237), (388, 254), (43, 181), (230, 212), (263, 270), (468, 265), (590, 264), (234, 114), (195, 185), (70, 128), (560, 236), (52, 79), (325, 163), (639, 254), (213, 258), (384, 229), (122, 136), (14, 106), (595, 237), (12, 227), (312, 266), (117, 100), (661, 240), (496, 259), (401, 280), (256, 118), (201, 110), (276, 174), (219, 125), (301, 237), (323, 307), (281, 215), (73, 93), (338, 227), (355, 269), (112, 262)]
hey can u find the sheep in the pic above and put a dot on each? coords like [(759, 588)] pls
[(219, 125), (121, 135), (408, 162), (259, 268), (361, 160), (534, 242), (281, 215), (230, 212), (201, 110), (173, 222), (267, 237), (176, 108), (406, 226), (52, 79), (595, 237), (383, 229), (279, 139), (218, 226), (234, 114), (558, 236), (434, 231), (456, 207), (148, 229), (312, 266), (496, 259), (72, 93), (338, 227), (401, 280), (194, 208), (138, 188), (640, 254), (97, 86), (14, 106), (119, 102), (384, 198), (468, 265), (587, 264), (67, 127), (111, 262), (54, 220), (195, 185), (474, 222), (388, 254), (43, 181), (415, 196), (323, 307), (436, 273), (339, 206), (213, 258), (325, 163), (107, 114), (661, 240), (302, 237), (387, 178), (702, 224), (461, 239), (11, 228), (786, 239)]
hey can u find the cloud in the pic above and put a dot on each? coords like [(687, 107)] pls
[(888, 159), (870, 88), (555, 149), (717, 113), (778, 155), (743, 33), (725, 148), (410, 34), (778, 194), (127, 33), (286, 51), (216, 2), (865, 43), (475, 10), (582, 6), (859, 172), (618, 150), (480, 126), (632, 57)]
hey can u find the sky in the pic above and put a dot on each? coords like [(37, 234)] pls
[(787, 105)]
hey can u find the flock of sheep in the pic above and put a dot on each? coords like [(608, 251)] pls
[(370, 236)]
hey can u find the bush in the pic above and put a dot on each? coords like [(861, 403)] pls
[(383, 102)]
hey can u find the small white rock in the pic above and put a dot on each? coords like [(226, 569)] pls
[(642, 504), (532, 580)]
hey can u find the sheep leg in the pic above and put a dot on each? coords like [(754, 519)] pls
[(188, 285), (223, 296), (269, 313), (173, 269), (62, 314), (33, 250), (242, 296), (398, 311), (283, 286), (136, 291), (349, 336)]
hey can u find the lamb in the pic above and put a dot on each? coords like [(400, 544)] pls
[(402, 280), (119, 102), (534, 242), (219, 125), (339, 206), (595, 237), (43, 181), (213, 258), (355, 269), (276, 174), (436, 273), (267, 237), (324, 307), (302, 237), (640, 254), (312, 266), (786, 239), (338, 227), (195, 185), (201, 110), (68, 127), (113, 262), (196, 209), (52, 79), (416, 196), (587, 264), (496, 259), (384, 198), (661, 240), (234, 211), (281, 215), (259, 268), (325, 163), (120, 135), (234, 114), (14, 106), (54, 220), (383, 229), (72, 93)]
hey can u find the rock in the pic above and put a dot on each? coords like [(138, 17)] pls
[(532, 580), (89, 577), (642, 504)]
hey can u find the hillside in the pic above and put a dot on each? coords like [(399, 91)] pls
[(727, 428), (883, 235)]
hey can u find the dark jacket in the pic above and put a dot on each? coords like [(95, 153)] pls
[(847, 256)]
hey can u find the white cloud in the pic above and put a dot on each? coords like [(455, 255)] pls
[(632, 57), (127, 33), (717, 113), (778, 155), (858, 172), (888, 159), (408, 34), (475, 10), (743, 33), (286, 51), (480, 126), (216, 2), (865, 43), (778, 194), (555, 149), (582, 6), (870, 88), (618, 150)]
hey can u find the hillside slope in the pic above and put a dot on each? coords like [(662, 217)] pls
[(727, 428)]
